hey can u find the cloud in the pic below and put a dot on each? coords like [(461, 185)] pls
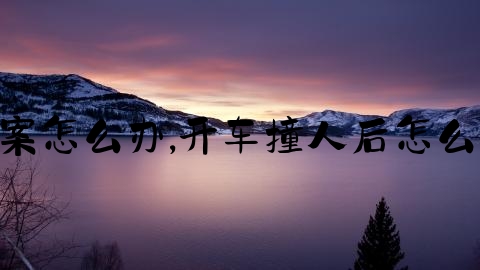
[(288, 55), (143, 43)]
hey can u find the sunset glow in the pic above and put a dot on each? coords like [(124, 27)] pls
[(228, 59)]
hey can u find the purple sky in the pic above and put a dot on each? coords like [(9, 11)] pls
[(257, 59)]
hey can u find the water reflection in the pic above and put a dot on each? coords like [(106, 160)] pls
[(257, 210)]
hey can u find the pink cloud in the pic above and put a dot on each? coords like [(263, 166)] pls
[(216, 82), (138, 44)]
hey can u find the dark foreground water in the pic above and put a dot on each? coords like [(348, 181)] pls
[(256, 210)]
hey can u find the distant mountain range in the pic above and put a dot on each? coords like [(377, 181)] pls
[(39, 97)]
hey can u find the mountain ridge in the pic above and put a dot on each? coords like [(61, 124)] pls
[(72, 96)]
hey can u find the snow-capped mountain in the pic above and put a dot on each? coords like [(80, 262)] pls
[(73, 97), (468, 118), (347, 124), (340, 123)]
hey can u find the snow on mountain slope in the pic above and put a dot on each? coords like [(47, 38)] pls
[(71, 96), (468, 117)]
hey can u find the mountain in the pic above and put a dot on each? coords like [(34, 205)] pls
[(468, 117), (347, 124), (39, 97)]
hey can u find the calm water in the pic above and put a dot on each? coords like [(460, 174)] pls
[(256, 210)]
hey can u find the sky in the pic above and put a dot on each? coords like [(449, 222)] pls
[(253, 58)]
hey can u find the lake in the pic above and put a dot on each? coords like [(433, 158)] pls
[(257, 210)]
